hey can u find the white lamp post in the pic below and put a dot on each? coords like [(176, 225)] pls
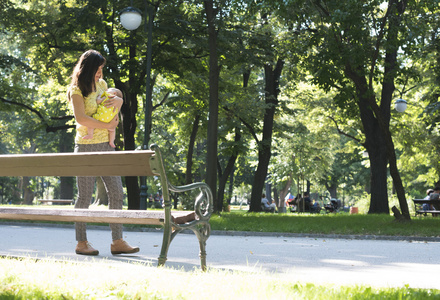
[(400, 105), (131, 19)]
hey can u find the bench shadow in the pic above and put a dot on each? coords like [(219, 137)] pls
[(147, 262), (180, 266)]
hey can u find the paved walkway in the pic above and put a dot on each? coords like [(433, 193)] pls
[(317, 260)]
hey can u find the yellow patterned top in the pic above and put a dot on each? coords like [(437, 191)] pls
[(103, 113), (100, 135)]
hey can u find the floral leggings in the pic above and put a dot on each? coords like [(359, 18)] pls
[(86, 186)]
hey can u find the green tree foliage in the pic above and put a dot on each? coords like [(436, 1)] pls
[(268, 55), (355, 52)]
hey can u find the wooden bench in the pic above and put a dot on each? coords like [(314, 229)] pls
[(418, 203), (55, 201), (119, 163)]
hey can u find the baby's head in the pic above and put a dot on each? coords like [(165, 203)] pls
[(115, 92)]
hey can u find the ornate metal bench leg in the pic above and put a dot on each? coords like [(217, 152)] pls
[(165, 246), (202, 234), (202, 255)]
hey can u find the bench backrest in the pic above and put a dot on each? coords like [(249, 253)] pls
[(421, 201), (117, 163), (111, 163)]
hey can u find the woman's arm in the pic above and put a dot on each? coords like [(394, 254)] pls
[(85, 120), (114, 99)]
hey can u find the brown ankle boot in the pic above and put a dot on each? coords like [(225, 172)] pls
[(121, 247), (85, 248)]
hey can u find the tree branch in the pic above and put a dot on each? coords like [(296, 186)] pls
[(56, 128), (344, 133), (60, 118), (49, 128), (24, 106), (321, 8), (165, 98), (378, 42), (247, 125)]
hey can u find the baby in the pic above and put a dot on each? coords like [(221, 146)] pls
[(104, 114)]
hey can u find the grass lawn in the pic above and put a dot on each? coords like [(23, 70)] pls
[(45, 279), (342, 223)]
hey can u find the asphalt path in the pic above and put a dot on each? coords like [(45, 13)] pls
[(319, 260)]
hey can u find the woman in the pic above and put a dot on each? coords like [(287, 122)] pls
[(86, 85)]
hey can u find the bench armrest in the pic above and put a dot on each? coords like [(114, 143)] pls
[(203, 205)]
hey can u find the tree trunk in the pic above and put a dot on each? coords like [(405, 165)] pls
[(264, 146), (189, 157), (223, 179), (276, 197), (28, 194), (332, 189), (129, 110), (375, 145), (231, 186), (175, 200), (387, 93), (129, 123), (284, 191), (66, 185), (202, 166), (378, 179), (283, 194), (379, 145), (382, 113), (211, 159)]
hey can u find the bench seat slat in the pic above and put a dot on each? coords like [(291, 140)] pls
[(421, 201), (421, 211), (112, 163), (90, 216), (59, 201)]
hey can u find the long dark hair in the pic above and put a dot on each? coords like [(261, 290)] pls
[(83, 75)]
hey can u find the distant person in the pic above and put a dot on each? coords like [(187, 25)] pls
[(299, 202), (307, 202), (435, 195), (428, 194), (427, 206), (269, 207), (316, 207), (150, 200), (290, 200), (157, 200)]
